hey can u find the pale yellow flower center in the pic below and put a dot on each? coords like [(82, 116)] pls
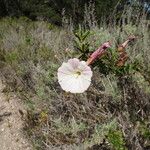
[(77, 74)]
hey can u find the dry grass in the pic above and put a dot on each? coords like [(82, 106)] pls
[(112, 114)]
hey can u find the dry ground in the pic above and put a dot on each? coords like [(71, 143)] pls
[(11, 123)]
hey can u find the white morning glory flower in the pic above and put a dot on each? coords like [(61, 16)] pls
[(74, 76)]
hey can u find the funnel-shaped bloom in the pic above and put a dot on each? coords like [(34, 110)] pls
[(98, 53), (123, 56), (124, 45), (74, 76)]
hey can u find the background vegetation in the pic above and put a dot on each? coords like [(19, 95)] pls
[(113, 114), (53, 10)]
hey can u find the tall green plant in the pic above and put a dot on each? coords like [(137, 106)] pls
[(81, 44)]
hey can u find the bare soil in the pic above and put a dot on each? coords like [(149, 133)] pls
[(12, 136)]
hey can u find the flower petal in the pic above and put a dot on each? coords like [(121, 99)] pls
[(67, 76)]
